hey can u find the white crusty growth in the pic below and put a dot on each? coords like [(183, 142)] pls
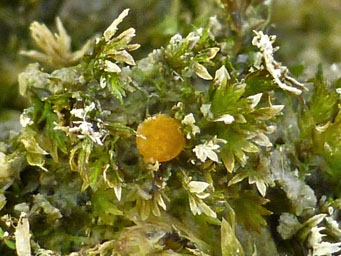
[(83, 128), (22, 236), (56, 47), (190, 122), (277, 71), (111, 30), (196, 195), (208, 150), (117, 48)]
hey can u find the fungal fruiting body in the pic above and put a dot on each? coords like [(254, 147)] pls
[(159, 138)]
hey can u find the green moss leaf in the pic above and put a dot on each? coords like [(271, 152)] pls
[(249, 210), (115, 87), (230, 245), (104, 206), (9, 243), (258, 82), (323, 104), (235, 147), (227, 99)]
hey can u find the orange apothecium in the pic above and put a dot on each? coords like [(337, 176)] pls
[(159, 138)]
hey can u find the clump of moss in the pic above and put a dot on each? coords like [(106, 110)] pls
[(257, 157)]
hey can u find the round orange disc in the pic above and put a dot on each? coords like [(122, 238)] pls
[(159, 138)]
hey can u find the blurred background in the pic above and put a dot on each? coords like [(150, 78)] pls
[(308, 31)]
